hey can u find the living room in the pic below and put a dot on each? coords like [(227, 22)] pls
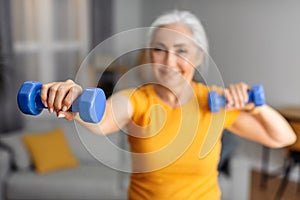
[(50, 40)]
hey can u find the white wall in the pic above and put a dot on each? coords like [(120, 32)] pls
[(251, 41), (127, 16)]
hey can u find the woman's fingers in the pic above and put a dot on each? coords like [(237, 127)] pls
[(74, 92), (243, 88), (229, 98), (51, 97), (237, 95), (59, 96), (65, 115), (44, 93)]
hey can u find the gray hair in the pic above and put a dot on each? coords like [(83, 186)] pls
[(186, 18)]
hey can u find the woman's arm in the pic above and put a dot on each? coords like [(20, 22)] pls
[(117, 114), (262, 124), (266, 126), (59, 96)]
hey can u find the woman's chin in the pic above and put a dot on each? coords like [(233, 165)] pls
[(171, 82)]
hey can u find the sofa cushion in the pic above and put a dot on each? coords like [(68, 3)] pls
[(87, 147), (20, 155), (49, 150), (76, 144), (83, 182)]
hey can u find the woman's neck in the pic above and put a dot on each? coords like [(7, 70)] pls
[(175, 97)]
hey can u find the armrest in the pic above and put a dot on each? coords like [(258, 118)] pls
[(4, 169)]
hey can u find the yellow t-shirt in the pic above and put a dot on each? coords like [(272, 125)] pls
[(165, 143)]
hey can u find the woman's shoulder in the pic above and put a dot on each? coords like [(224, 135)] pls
[(200, 85), (140, 96), (201, 90), (204, 89), (139, 92)]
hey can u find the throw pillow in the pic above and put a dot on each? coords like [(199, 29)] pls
[(20, 155), (49, 151)]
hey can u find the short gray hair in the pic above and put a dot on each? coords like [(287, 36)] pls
[(186, 18)]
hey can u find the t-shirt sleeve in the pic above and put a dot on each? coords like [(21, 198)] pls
[(139, 104)]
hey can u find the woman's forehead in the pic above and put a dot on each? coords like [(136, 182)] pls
[(174, 34)]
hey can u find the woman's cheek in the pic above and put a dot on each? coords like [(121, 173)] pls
[(186, 65)]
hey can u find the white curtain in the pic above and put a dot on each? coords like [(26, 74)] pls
[(51, 37)]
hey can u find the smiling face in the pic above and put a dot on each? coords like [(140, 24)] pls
[(174, 55)]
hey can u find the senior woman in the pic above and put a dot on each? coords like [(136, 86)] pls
[(168, 120)]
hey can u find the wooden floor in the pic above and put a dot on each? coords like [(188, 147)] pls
[(257, 193)]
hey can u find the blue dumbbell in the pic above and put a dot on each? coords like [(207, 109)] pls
[(90, 104), (255, 95)]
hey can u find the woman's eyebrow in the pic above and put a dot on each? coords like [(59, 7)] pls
[(160, 44), (180, 45)]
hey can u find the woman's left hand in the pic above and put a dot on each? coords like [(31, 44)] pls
[(237, 97)]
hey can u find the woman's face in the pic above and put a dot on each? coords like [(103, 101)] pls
[(174, 55)]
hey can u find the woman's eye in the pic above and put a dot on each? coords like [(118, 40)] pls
[(181, 51), (158, 49)]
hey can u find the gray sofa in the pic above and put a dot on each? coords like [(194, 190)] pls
[(90, 180)]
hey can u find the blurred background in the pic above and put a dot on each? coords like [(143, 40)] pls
[(251, 41)]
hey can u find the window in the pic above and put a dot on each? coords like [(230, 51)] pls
[(50, 38)]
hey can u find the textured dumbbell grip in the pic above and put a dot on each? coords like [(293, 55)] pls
[(38, 105), (90, 105)]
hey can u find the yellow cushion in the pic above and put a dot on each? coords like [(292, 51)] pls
[(49, 150)]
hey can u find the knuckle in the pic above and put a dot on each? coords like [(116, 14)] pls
[(57, 105), (53, 89), (69, 81), (45, 87), (67, 102), (75, 89), (244, 85), (61, 89), (44, 90), (231, 86)]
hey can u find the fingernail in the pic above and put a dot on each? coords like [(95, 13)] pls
[(61, 115), (45, 104), (51, 110), (64, 108)]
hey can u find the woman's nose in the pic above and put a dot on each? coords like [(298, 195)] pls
[(171, 59)]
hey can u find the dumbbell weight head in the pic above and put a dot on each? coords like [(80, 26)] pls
[(28, 98), (215, 101), (90, 105), (258, 95)]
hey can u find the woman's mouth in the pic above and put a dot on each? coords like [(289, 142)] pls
[(169, 71)]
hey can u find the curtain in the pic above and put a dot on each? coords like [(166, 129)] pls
[(102, 21), (10, 118), (101, 29)]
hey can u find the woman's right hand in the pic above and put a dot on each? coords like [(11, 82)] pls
[(59, 96)]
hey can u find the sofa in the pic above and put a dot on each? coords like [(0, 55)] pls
[(90, 179)]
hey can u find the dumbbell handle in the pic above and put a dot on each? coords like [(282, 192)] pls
[(74, 107), (255, 95)]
